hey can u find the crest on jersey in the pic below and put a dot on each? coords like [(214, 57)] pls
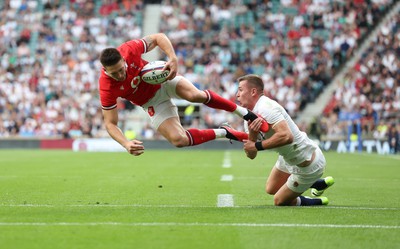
[(135, 83), (151, 111)]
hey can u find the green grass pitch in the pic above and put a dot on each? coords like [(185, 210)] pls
[(168, 199)]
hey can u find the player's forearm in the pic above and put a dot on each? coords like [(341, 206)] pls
[(116, 133), (277, 140), (253, 136), (165, 45)]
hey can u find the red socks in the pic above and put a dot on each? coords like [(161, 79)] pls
[(197, 136), (217, 102)]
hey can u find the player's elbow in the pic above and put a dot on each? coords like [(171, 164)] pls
[(287, 138), (251, 155), (159, 36), (109, 126)]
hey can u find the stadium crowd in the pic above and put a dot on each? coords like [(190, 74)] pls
[(49, 61), (370, 93), (49, 64)]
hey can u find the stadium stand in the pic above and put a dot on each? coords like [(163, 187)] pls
[(49, 64), (370, 94), (49, 67), (297, 46)]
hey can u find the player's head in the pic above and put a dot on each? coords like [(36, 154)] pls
[(113, 64), (250, 88), (253, 81)]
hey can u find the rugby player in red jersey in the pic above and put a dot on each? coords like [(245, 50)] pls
[(120, 78)]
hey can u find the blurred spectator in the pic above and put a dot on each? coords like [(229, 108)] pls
[(394, 139)]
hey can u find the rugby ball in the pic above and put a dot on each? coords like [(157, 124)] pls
[(153, 72)]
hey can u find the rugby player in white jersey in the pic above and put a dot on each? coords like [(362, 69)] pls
[(300, 163)]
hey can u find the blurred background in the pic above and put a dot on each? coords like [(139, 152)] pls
[(334, 65)]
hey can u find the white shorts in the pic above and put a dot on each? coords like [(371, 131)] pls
[(161, 107), (301, 178)]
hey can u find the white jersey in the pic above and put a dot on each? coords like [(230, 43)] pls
[(301, 149)]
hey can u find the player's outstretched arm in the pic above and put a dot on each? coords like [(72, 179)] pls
[(163, 42), (134, 147)]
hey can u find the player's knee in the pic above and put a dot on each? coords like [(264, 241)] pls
[(280, 202), (271, 190), (179, 141), (197, 96)]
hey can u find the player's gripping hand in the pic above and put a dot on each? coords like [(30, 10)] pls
[(255, 125), (250, 149), (172, 66), (135, 147)]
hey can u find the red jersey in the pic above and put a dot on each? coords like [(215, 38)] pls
[(132, 88)]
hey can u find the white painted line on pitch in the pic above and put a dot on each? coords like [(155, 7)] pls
[(226, 178), (186, 206), (227, 160), (198, 224), (225, 200), (391, 156)]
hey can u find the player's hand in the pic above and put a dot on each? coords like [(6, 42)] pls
[(255, 125), (250, 149), (172, 66), (134, 147)]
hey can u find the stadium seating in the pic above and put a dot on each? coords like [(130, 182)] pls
[(49, 66), (370, 89)]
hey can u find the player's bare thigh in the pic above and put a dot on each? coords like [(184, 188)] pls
[(276, 180), (173, 131), (285, 197), (186, 90)]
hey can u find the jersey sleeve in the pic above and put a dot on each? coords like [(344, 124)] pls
[(138, 46), (272, 114), (107, 99), (108, 104)]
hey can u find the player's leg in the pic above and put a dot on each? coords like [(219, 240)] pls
[(275, 181), (287, 197), (277, 177), (277, 185), (186, 90), (172, 130), (320, 185), (290, 191), (165, 119), (318, 188)]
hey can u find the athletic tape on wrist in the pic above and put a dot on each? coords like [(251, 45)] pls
[(259, 146)]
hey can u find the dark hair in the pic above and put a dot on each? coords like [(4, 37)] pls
[(110, 57), (254, 80)]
